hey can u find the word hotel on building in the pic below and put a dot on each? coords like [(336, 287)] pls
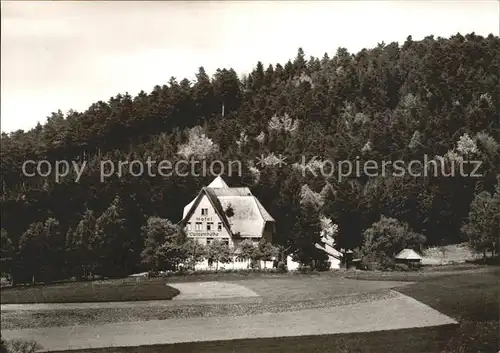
[(228, 214)]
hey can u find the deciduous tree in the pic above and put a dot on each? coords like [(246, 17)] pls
[(218, 252)]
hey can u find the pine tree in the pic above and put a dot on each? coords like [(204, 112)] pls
[(6, 252), (306, 233), (109, 243), (227, 88), (54, 255), (269, 75), (33, 247), (82, 255), (203, 95), (482, 227), (258, 77), (299, 63)]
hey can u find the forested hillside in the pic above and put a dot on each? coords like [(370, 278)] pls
[(435, 97)]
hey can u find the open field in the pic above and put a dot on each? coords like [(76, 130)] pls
[(96, 291), (472, 299), (449, 254), (274, 295), (426, 273), (297, 285), (313, 304), (267, 285), (404, 312), (99, 316)]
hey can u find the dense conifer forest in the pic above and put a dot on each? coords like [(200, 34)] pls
[(437, 97)]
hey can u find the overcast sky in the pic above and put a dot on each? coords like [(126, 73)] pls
[(67, 55)]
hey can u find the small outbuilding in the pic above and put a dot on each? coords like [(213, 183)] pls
[(409, 257)]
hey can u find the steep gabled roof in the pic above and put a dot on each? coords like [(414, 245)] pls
[(231, 191), (188, 207), (249, 217), (214, 200), (215, 204), (247, 220), (267, 217), (329, 251), (218, 183)]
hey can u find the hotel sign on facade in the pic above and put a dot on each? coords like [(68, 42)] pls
[(203, 219), (201, 234), (201, 229)]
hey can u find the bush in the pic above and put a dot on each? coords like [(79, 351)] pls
[(388, 234), (3, 348), (491, 261), (386, 263), (281, 267), (222, 271), (378, 262), (323, 266), (305, 269), (401, 267), (5, 281), (22, 346), (153, 274), (375, 262), (184, 270), (368, 264), (416, 267)]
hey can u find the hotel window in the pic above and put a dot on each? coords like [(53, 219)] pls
[(210, 226), (209, 240), (188, 226), (198, 226), (219, 226), (204, 211), (226, 241)]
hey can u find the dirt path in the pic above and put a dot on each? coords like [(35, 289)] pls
[(394, 313)]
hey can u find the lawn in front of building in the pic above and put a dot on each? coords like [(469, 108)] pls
[(471, 299), (116, 290), (275, 293)]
